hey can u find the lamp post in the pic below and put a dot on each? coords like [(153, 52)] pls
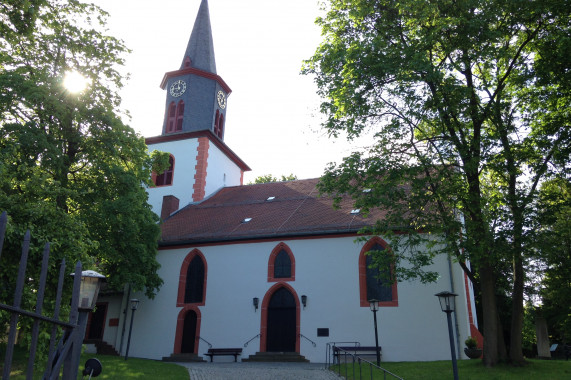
[(134, 306), (447, 305), (374, 304), (88, 292)]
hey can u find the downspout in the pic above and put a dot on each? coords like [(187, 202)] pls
[(124, 319), (458, 354)]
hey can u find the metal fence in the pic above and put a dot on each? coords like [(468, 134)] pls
[(352, 366), (67, 351)]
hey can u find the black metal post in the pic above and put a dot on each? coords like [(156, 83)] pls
[(130, 330), (377, 339), (452, 350)]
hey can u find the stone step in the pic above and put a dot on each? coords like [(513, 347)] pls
[(103, 348), (276, 357), (183, 358)]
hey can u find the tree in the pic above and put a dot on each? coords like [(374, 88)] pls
[(468, 106), (70, 169), (267, 178), (553, 245)]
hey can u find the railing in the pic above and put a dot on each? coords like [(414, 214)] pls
[(329, 351), (312, 342), (204, 340), (257, 336), (67, 352), (354, 365)]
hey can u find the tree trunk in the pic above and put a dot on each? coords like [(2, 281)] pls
[(516, 351), (502, 351), (490, 315)]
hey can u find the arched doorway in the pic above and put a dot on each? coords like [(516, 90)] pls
[(281, 322), (189, 333)]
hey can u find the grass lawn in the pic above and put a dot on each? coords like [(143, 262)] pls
[(468, 370), (114, 368)]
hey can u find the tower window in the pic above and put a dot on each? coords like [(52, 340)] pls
[(171, 117), (187, 62), (179, 115), (216, 120), (220, 126), (165, 178)]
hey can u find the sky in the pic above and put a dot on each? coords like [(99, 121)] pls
[(273, 119)]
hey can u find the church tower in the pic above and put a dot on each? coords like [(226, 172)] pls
[(196, 96), (193, 128)]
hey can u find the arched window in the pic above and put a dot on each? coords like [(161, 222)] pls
[(220, 126), (179, 115), (187, 62), (171, 117), (281, 265), (192, 280), (376, 283), (165, 178)]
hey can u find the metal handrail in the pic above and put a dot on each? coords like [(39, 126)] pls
[(204, 340), (257, 336), (360, 361), (329, 349), (312, 342)]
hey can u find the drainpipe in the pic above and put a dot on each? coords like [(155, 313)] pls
[(124, 318), (457, 328)]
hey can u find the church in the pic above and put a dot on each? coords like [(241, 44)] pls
[(269, 268)]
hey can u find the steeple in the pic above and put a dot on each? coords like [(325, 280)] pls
[(200, 48), (196, 96)]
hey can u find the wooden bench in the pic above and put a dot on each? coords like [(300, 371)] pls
[(212, 352), (339, 351)]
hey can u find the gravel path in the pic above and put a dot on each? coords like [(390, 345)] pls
[(258, 371)]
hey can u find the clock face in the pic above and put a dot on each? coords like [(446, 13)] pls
[(178, 88), (221, 99)]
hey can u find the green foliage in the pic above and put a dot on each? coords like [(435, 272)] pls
[(70, 170), (160, 161), (468, 107), (553, 247), (267, 178), (471, 342)]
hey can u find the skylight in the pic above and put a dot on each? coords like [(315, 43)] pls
[(270, 199), (246, 220), (356, 211), (366, 190)]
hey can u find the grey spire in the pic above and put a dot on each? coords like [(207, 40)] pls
[(200, 48)]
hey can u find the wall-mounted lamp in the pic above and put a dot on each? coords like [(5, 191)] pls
[(256, 302), (304, 300)]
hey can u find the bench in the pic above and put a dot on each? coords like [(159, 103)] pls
[(212, 352), (339, 351)]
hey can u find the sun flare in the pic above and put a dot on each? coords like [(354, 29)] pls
[(74, 82)]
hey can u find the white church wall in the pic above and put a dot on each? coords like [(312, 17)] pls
[(113, 313), (221, 171), (184, 153), (155, 320), (326, 270)]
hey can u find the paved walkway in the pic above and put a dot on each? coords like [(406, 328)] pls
[(258, 371)]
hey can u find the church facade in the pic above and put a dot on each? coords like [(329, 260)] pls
[(268, 267)]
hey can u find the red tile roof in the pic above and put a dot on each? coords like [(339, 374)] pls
[(296, 210)]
